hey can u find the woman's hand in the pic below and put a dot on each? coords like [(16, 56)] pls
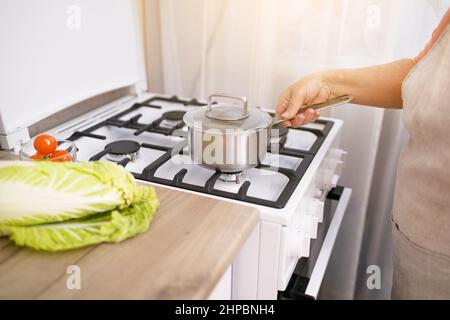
[(310, 90), (379, 86)]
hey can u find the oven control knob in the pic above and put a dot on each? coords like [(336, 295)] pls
[(317, 193), (300, 245), (295, 244), (296, 247), (327, 179), (305, 243), (334, 180), (339, 167), (328, 163), (298, 216), (309, 225), (318, 182), (337, 153), (332, 153), (316, 208), (333, 164), (313, 226), (300, 211)]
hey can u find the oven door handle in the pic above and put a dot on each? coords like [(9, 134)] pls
[(317, 275)]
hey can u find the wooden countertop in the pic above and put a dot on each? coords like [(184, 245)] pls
[(5, 155), (189, 245)]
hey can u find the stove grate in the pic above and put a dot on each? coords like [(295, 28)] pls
[(148, 173), (294, 177)]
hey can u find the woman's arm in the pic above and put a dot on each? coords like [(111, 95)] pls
[(378, 86)]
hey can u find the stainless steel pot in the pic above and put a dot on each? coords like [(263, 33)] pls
[(228, 136)]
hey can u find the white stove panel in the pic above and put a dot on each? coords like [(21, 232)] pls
[(156, 139), (112, 133), (314, 125), (148, 114), (144, 158), (265, 184), (86, 146), (261, 187), (281, 161), (196, 175), (301, 140)]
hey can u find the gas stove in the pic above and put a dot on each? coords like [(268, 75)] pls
[(149, 140), (146, 135)]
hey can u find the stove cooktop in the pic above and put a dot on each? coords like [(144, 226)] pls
[(149, 140)]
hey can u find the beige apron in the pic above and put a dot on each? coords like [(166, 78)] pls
[(421, 215)]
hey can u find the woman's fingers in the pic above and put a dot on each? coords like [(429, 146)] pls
[(289, 106), (316, 115), (294, 105), (298, 121), (309, 115), (283, 101), (287, 123)]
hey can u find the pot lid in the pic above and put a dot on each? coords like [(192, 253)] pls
[(230, 114)]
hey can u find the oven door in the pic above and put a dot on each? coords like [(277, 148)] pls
[(306, 280)]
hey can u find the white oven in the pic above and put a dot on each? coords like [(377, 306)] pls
[(303, 233), (309, 273)]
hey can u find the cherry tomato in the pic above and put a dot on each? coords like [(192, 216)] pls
[(38, 157), (45, 144), (60, 156)]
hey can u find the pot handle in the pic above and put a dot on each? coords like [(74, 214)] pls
[(243, 100), (318, 106)]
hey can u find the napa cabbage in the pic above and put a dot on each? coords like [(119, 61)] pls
[(60, 206)]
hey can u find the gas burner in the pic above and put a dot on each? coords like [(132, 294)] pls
[(237, 177), (118, 151), (279, 134), (171, 119)]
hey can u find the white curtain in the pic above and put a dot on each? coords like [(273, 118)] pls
[(256, 48)]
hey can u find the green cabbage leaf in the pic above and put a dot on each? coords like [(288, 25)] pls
[(61, 206), (42, 192), (113, 226)]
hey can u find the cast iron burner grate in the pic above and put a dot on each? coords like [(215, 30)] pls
[(148, 173)]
